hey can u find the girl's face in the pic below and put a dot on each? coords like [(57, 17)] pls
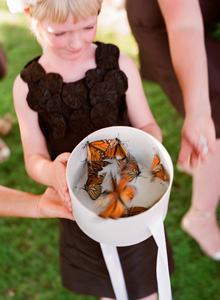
[(68, 40)]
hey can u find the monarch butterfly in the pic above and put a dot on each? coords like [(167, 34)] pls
[(99, 165), (114, 203), (130, 170), (110, 152), (133, 211), (158, 169), (96, 149), (121, 163), (116, 150), (101, 145), (93, 184), (93, 154)]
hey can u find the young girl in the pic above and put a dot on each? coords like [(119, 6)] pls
[(74, 88)]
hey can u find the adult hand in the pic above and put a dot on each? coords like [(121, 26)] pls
[(50, 205), (198, 140)]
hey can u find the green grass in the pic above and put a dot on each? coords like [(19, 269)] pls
[(29, 259)]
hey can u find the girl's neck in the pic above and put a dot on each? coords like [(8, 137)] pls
[(70, 70)]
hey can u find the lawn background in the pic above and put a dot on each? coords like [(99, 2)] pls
[(29, 260)]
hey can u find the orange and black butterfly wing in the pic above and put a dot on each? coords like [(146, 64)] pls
[(110, 152), (133, 211), (130, 170), (121, 162), (96, 150), (99, 165), (94, 191), (91, 170), (114, 208), (156, 166), (111, 206), (156, 162), (134, 166), (125, 192), (93, 154), (107, 204), (158, 170), (118, 210), (122, 195), (93, 184), (121, 151), (101, 145), (128, 173), (99, 148)]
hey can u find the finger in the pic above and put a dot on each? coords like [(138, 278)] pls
[(191, 139), (63, 158), (67, 200), (64, 195), (68, 204), (67, 195), (185, 152), (64, 202), (194, 158), (65, 214)]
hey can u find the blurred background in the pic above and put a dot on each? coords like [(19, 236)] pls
[(29, 260)]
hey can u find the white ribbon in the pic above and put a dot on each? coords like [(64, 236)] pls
[(113, 264), (163, 276)]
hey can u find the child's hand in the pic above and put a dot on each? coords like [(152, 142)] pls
[(59, 178), (154, 130)]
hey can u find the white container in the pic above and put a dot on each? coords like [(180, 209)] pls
[(122, 231)]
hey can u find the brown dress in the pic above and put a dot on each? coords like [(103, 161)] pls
[(68, 112), (149, 29)]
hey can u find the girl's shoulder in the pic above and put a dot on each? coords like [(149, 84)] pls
[(127, 64), (20, 91)]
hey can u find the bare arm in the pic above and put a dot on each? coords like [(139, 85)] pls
[(37, 160), (139, 111), (14, 203), (186, 40)]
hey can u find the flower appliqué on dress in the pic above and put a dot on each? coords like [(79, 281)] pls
[(104, 114), (102, 92), (53, 82), (74, 95), (94, 76), (107, 56)]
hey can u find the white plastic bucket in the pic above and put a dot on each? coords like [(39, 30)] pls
[(131, 230)]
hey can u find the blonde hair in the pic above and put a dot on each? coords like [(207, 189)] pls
[(57, 11)]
